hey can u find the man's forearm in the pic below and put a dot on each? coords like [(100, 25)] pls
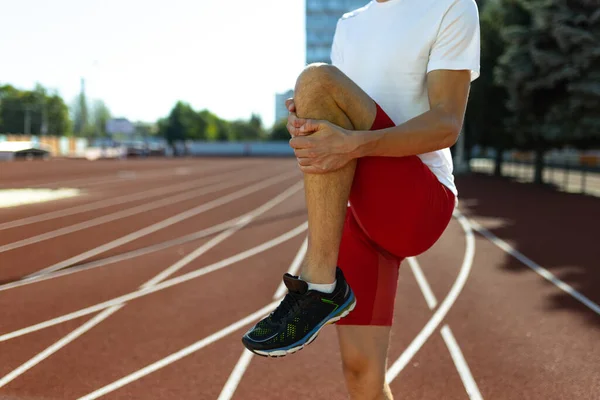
[(430, 131)]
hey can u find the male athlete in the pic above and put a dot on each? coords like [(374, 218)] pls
[(372, 134)]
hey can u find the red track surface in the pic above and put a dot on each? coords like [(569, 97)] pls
[(521, 336)]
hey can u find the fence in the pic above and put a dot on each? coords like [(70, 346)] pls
[(235, 149), (570, 172), (57, 145)]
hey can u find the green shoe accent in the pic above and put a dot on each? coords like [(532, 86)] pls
[(330, 302)]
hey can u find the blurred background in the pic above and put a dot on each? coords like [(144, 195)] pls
[(143, 146), (164, 79)]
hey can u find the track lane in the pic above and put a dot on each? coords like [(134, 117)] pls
[(100, 284), (57, 173), (140, 328), (516, 343), (491, 320), (28, 259), (127, 187), (101, 201)]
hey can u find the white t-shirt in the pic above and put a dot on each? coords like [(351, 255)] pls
[(388, 48)]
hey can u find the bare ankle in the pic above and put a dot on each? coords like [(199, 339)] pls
[(320, 274)]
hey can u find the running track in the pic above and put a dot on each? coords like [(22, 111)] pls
[(141, 287)]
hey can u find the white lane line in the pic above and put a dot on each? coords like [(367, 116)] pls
[(241, 223), (294, 266), (423, 284), (58, 345), (461, 365), (161, 276), (165, 223), (180, 354), (167, 201), (116, 177), (240, 368), (122, 176), (543, 272), (455, 352), (161, 286), (90, 180), (124, 256), (236, 376), (145, 195), (443, 308), (127, 255)]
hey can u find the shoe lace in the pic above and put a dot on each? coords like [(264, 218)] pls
[(290, 302)]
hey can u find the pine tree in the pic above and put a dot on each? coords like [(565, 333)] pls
[(551, 71)]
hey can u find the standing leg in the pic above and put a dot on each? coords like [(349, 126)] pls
[(364, 360)]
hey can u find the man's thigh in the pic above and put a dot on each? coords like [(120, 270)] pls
[(319, 79), (371, 273)]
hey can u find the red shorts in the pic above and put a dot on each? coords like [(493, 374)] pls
[(397, 209)]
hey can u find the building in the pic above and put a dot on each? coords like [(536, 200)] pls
[(280, 111), (120, 126), (321, 20)]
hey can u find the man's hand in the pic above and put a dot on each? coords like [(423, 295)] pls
[(294, 123), (319, 146), (327, 148)]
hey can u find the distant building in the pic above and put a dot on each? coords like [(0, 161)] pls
[(120, 126), (280, 111), (321, 20)]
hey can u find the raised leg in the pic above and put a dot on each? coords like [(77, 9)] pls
[(324, 92)]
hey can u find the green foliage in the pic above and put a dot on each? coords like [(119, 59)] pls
[(38, 112), (551, 71), (177, 123), (183, 123), (246, 130), (82, 125), (486, 111), (279, 131), (100, 115)]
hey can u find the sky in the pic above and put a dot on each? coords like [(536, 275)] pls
[(141, 56)]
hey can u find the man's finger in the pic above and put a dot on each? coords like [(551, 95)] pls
[(290, 105), (292, 130), (310, 126), (295, 121), (303, 153), (301, 142), (310, 169), (304, 162)]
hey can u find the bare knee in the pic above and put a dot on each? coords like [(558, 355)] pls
[(365, 378), (316, 80)]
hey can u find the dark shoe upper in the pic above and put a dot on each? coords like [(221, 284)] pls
[(298, 316)]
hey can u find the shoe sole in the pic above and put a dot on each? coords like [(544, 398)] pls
[(283, 353)]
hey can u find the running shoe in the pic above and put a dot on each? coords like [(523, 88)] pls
[(300, 316)]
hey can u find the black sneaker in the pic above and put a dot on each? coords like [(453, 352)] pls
[(300, 316)]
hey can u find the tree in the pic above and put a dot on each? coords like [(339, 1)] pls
[(215, 128), (176, 124), (279, 131), (58, 119), (36, 112), (12, 110), (246, 130), (100, 115), (183, 123), (551, 71), (486, 111), (82, 126)]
